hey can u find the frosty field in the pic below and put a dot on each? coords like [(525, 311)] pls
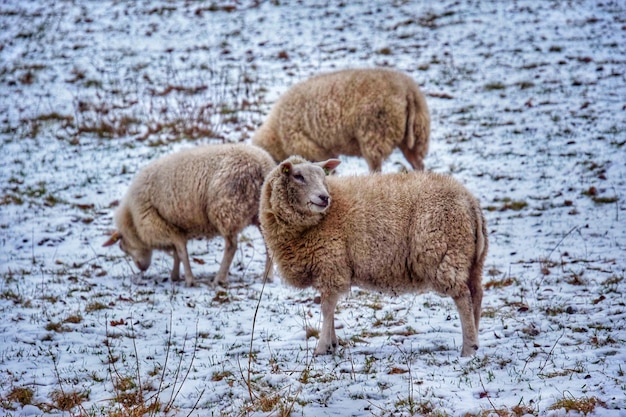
[(528, 108)]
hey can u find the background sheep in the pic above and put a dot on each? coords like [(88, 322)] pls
[(397, 233), (199, 192), (359, 112)]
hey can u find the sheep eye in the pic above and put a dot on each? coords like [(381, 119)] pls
[(298, 177)]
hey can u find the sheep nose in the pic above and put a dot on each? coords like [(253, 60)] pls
[(324, 199)]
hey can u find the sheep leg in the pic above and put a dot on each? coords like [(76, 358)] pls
[(175, 275), (180, 248), (374, 165), (328, 339), (477, 299), (413, 156), (229, 253), (374, 148), (468, 325)]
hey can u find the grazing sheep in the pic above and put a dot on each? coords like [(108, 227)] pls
[(200, 192), (397, 233), (359, 112)]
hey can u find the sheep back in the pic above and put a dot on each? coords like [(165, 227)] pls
[(357, 112), (387, 232), (199, 192)]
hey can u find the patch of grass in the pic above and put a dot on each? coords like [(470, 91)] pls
[(494, 86), (612, 283), (221, 297), (604, 200), (387, 320), (73, 319), (507, 204), (514, 205), (21, 395), (312, 332), (57, 327), (583, 405), (9, 294), (95, 306), (576, 279), (218, 376), (500, 283), (67, 401)]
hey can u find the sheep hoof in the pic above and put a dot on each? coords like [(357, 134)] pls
[(469, 351), (325, 350)]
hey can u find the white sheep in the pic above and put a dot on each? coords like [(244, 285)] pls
[(397, 233), (200, 192), (358, 112)]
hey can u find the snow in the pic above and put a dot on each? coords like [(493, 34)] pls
[(528, 107)]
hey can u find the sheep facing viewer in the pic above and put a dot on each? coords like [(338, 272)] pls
[(200, 192), (358, 112), (396, 233)]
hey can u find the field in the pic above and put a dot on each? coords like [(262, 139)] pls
[(528, 107)]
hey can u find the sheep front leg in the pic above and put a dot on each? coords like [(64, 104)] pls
[(230, 248), (328, 339), (180, 250), (468, 325)]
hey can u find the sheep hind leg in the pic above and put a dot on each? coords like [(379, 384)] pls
[(175, 275), (327, 343), (477, 300), (412, 156), (230, 248), (465, 308)]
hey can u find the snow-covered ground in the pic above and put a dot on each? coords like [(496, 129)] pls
[(528, 106)]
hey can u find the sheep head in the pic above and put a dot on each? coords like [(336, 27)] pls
[(141, 255), (299, 194)]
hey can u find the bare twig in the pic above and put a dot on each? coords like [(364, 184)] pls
[(193, 357), (561, 241), (487, 394), (268, 265), (550, 353), (167, 355), (137, 368)]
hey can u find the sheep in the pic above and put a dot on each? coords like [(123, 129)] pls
[(395, 233), (201, 192), (357, 112)]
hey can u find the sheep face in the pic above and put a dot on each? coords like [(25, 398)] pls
[(141, 256), (304, 186)]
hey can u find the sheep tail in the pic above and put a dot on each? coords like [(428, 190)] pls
[(418, 121), (481, 235), (409, 138)]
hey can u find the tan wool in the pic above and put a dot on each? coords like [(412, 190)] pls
[(358, 112), (202, 192), (397, 233)]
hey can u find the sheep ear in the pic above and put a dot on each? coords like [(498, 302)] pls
[(329, 165), (115, 237), (286, 167)]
